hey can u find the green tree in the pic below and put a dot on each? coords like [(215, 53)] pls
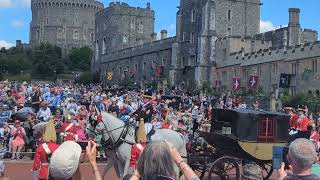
[(80, 59), (47, 60)]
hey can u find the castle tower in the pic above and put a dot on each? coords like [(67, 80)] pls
[(200, 23), (65, 23), (294, 29)]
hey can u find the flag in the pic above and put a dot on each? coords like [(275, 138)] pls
[(285, 80), (253, 82), (159, 70), (109, 76), (236, 84)]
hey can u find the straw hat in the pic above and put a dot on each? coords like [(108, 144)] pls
[(141, 134), (65, 160), (50, 133)]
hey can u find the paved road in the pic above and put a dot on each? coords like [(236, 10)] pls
[(21, 171)]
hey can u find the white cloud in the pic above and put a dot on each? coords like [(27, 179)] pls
[(5, 44), (14, 3), (266, 26), (17, 23), (5, 3)]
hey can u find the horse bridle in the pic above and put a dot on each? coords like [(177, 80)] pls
[(112, 144)]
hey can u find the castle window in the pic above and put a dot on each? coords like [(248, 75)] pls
[(235, 72), (193, 15), (224, 76), (144, 66), (229, 15), (97, 50), (224, 54), (140, 29), (192, 38), (184, 34), (229, 31), (259, 70), (47, 21), (75, 35), (315, 65), (59, 34), (104, 45), (92, 36), (275, 68), (125, 39), (183, 61), (294, 68), (132, 25), (164, 61)]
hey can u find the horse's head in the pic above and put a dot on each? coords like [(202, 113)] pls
[(94, 128)]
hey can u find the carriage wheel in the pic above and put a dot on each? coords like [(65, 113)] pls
[(226, 168), (267, 169)]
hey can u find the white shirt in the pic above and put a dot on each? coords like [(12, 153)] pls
[(45, 114)]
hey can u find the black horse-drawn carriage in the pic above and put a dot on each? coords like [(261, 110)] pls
[(238, 137)]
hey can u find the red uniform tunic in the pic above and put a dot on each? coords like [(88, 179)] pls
[(68, 131), (314, 136), (40, 160), (293, 121), (302, 124), (136, 150)]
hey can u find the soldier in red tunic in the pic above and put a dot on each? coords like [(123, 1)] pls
[(43, 153), (293, 117), (68, 130), (303, 120), (137, 148)]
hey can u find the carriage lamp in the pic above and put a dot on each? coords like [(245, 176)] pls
[(226, 129)]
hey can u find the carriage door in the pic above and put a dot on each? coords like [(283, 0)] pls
[(266, 130)]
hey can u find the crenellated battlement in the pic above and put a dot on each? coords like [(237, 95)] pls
[(117, 8), (85, 4), (139, 50), (273, 54)]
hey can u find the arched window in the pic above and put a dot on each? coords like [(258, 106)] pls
[(75, 35), (125, 39), (92, 37), (59, 34), (140, 29), (97, 50), (193, 15), (104, 46)]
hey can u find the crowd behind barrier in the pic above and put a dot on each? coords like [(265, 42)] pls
[(26, 107)]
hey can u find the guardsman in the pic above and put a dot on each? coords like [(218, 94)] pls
[(43, 153), (68, 130), (303, 121), (293, 117), (137, 148)]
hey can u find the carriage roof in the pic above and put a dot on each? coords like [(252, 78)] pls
[(251, 125)]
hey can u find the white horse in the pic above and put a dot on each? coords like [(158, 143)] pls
[(121, 137)]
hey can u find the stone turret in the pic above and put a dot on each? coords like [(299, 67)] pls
[(294, 29), (164, 34)]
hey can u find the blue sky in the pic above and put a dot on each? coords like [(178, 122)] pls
[(15, 16)]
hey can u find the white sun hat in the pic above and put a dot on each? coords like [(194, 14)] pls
[(64, 161)]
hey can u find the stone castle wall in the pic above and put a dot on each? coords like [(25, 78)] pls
[(270, 63), (65, 23), (138, 63)]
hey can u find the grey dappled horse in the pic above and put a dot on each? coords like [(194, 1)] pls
[(121, 137)]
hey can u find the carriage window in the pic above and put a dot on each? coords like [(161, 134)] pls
[(266, 130)]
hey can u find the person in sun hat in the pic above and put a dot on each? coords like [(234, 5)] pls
[(65, 161), (293, 117), (18, 134), (44, 152)]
